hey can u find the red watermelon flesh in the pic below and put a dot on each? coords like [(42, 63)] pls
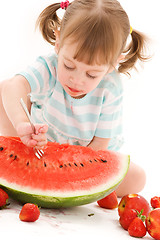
[(65, 176)]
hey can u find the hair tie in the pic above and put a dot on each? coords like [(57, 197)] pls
[(64, 5), (131, 30)]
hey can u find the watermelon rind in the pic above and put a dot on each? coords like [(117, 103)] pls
[(56, 202), (53, 201)]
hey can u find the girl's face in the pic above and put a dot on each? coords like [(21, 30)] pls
[(78, 78)]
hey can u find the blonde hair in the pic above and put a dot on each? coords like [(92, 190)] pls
[(99, 27)]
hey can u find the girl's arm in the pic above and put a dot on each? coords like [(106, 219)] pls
[(13, 90), (99, 143)]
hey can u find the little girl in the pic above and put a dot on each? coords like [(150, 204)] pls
[(75, 94)]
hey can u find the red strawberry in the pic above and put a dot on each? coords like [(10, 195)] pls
[(155, 202), (137, 228), (109, 202), (127, 217), (3, 198), (29, 213)]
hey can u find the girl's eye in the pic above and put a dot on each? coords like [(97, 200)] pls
[(90, 76), (68, 68)]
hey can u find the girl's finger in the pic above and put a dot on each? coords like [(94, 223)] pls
[(39, 137), (41, 144), (41, 128), (28, 141)]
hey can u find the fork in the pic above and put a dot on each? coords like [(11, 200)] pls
[(38, 153)]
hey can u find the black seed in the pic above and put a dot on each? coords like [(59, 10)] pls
[(1, 148), (65, 165), (69, 164), (27, 163), (95, 160), (45, 164), (82, 164), (11, 155), (61, 166), (90, 161), (75, 164), (15, 157), (103, 160)]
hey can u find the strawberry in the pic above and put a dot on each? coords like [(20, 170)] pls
[(3, 199), (137, 228), (109, 202), (155, 202), (29, 213), (127, 217)]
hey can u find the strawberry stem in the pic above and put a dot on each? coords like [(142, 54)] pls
[(139, 214)]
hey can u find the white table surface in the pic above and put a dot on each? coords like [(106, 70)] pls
[(71, 223)]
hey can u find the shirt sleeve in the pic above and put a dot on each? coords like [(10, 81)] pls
[(110, 119), (41, 76)]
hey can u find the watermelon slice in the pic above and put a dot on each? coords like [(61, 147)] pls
[(65, 176)]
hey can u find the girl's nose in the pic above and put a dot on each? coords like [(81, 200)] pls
[(71, 79), (77, 79)]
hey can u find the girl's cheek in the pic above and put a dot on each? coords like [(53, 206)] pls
[(62, 71)]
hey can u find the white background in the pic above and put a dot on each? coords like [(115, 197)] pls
[(20, 44)]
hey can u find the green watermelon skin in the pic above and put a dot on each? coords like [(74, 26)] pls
[(13, 149), (56, 202)]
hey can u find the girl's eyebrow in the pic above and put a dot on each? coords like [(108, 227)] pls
[(90, 70), (67, 58), (96, 70)]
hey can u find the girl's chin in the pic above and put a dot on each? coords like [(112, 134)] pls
[(78, 96)]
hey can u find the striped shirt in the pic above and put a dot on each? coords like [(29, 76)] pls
[(70, 120)]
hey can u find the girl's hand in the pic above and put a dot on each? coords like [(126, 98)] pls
[(30, 139)]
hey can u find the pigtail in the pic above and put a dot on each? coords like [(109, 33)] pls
[(134, 52), (48, 22)]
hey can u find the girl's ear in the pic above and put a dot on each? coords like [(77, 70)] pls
[(57, 34), (120, 58)]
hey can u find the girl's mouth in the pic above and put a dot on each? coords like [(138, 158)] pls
[(74, 90), (75, 93)]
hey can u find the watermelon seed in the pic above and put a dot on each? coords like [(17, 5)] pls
[(75, 164), (11, 155), (15, 157), (103, 160), (1, 148), (27, 163), (65, 165), (90, 161), (82, 164), (45, 164), (61, 166), (69, 164), (95, 160)]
